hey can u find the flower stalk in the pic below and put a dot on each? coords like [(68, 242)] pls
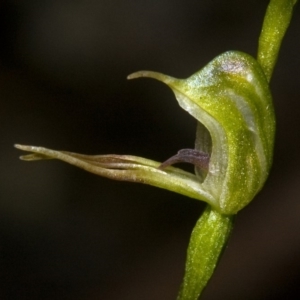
[(277, 19), (207, 241), (232, 103)]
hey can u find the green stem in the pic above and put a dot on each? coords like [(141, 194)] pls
[(207, 241), (276, 22)]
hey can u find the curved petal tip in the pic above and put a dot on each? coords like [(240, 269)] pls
[(150, 74)]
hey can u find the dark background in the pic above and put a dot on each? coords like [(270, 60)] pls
[(67, 234)]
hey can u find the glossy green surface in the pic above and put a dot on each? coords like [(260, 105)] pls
[(231, 98)]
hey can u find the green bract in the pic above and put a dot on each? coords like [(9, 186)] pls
[(231, 98)]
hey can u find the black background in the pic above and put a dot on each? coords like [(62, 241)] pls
[(67, 234)]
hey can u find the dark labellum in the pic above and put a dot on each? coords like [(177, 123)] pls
[(198, 158)]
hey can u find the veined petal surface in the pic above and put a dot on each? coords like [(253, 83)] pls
[(230, 97)]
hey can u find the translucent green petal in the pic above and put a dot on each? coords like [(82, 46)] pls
[(231, 98), (127, 168)]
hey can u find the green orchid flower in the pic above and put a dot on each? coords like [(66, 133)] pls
[(233, 153), (232, 103), (236, 128)]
